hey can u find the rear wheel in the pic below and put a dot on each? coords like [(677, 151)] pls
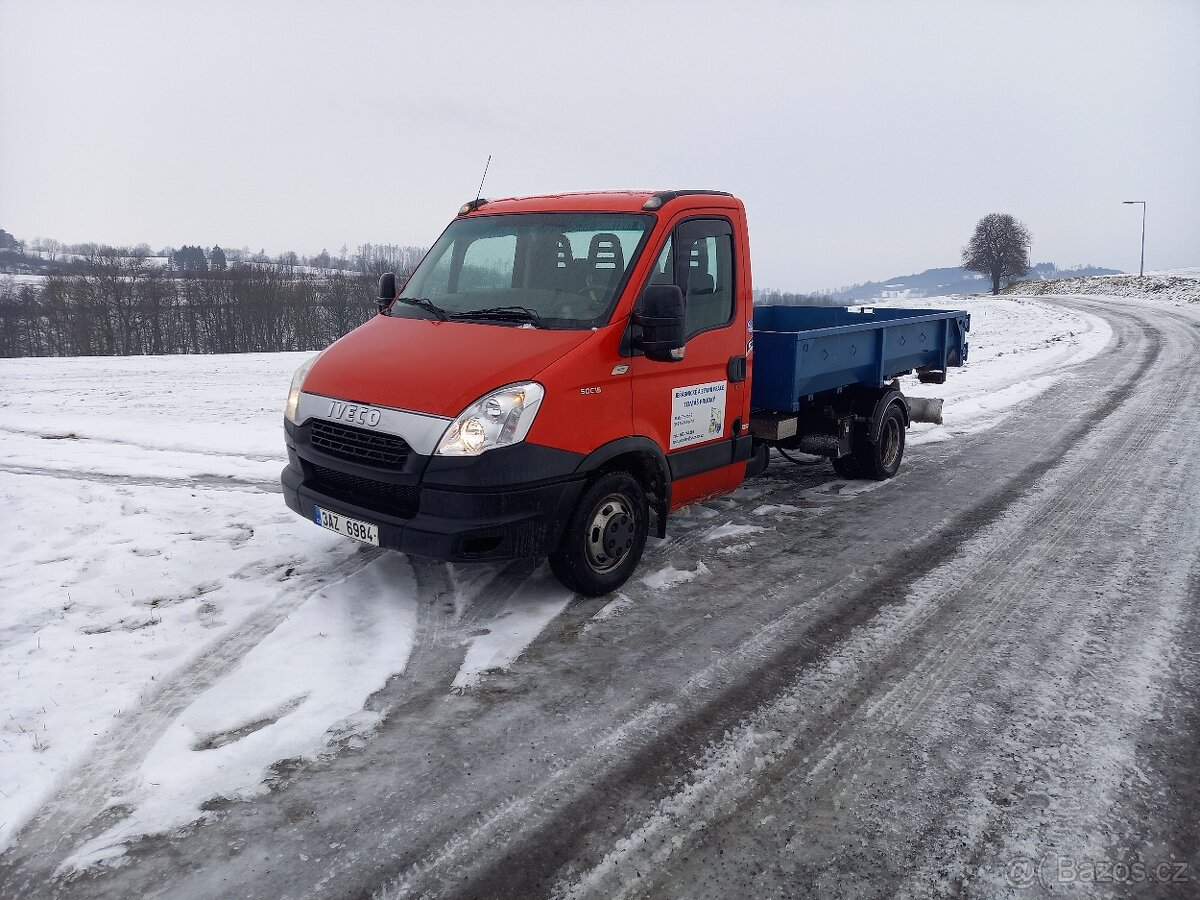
[(881, 460), (605, 536)]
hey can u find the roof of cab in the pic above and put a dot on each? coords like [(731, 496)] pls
[(598, 201)]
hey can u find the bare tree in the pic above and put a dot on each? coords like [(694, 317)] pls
[(118, 300), (999, 248)]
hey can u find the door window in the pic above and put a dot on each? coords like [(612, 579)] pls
[(698, 257), (704, 272)]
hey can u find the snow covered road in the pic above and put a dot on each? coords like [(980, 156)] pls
[(792, 666)]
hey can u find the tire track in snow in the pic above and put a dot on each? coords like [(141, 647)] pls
[(199, 451), (77, 811), (219, 482), (1006, 577), (444, 630)]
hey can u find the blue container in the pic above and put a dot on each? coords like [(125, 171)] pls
[(803, 350)]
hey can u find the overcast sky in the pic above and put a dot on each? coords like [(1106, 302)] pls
[(865, 138)]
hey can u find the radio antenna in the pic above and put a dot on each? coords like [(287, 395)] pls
[(479, 193)]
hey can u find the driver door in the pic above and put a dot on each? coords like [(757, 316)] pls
[(690, 408)]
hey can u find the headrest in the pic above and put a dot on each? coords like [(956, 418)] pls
[(605, 252)]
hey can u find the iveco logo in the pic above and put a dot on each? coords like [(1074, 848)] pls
[(354, 413)]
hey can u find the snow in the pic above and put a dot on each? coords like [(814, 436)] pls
[(152, 570), (522, 618), (735, 549), (1018, 348), (775, 509), (669, 576), (111, 590), (613, 608), (730, 530), (155, 584), (309, 676), (226, 408), (1178, 287)]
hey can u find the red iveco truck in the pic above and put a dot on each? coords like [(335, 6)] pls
[(561, 372)]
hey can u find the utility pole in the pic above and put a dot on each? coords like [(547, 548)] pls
[(1142, 264)]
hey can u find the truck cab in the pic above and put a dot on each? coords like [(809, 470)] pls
[(556, 376)]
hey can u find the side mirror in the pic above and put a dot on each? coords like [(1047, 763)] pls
[(662, 320), (387, 290)]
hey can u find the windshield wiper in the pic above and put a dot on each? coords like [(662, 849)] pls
[(426, 303), (511, 313)]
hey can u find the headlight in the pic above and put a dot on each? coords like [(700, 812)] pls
[(497, 419), (293, 400)]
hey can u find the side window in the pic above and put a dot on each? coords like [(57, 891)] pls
[(704, 271), (663, 271)]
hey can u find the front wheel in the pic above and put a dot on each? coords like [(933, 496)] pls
[(605, 536)]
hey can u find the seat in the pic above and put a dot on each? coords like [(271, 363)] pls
[(706, 307), (604, 267), (699, 283), (698, 280), (550, 263)]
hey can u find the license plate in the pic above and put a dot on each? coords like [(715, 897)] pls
[(367, 532)]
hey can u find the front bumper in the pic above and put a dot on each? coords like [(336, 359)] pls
[(463, 511)]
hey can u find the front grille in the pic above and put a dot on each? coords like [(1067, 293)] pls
[(396, 499), (359, 445)]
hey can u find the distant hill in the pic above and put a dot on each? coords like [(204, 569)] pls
[(954, 280)]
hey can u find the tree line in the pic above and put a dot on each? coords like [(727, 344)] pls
[(115, 301), (46, 256), (773, 297)]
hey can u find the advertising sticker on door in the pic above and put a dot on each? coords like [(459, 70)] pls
[(697, 413)]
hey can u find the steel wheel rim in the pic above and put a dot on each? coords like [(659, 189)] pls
[(891, 442), (610, 533)]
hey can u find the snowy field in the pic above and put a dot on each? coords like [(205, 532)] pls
[(154, 574)]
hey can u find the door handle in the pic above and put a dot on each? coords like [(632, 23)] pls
[(736, 370)]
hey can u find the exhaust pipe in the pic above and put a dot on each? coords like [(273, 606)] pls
[(925, 409)]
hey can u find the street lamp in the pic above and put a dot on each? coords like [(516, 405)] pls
[(1142, 264)]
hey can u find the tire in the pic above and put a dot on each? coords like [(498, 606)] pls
[(846, 466), (881, 460), (605, 536)]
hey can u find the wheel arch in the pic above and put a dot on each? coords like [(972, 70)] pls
[(645, 461), (887, 398)]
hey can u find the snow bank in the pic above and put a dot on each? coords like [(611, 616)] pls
[(1179, 287)]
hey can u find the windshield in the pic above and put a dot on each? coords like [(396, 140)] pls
[(552, 270)]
